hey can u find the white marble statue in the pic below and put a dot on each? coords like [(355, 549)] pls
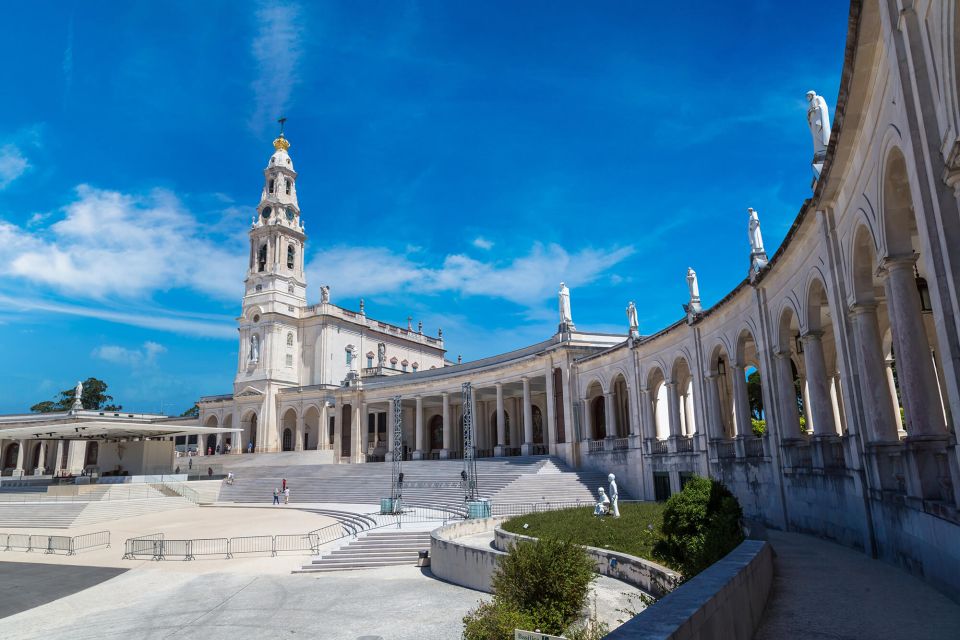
[(692, 284), (381, 354), (614, 495), (324, 294), (756, 240), (566, 317), (77, 397), (254, 348), (818, 117), (353, 359), (632, 319), (602, 507)]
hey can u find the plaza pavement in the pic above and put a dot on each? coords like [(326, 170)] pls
[(822, 590)]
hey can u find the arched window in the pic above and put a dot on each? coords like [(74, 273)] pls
[(290, 339), (291, 254), (349, 357), (287, 185), (272, 185), (262, 258)]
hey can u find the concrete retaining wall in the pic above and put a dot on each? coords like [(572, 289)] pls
[(460, 564), (725, 601), (645, 575)]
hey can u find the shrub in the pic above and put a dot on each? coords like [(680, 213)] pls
[(701, 524), (541, 584), (759, 427)]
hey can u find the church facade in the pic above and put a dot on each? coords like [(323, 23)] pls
[(824, 389)]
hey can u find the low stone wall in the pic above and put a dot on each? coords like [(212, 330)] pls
[(460, 564), (643, 574), (725, 601)]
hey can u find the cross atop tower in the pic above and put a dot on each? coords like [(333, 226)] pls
[(282, 121)]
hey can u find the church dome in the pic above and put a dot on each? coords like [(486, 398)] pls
[(280, 157)]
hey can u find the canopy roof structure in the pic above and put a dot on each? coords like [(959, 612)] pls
[(94, 425)]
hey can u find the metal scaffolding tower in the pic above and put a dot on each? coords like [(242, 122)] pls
[(396, 486), (469, 474)]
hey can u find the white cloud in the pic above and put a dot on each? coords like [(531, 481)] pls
[(276, 51), (526, 280), (191, 324), (113, 244), (147, 355), (12, 164), (482, 243)]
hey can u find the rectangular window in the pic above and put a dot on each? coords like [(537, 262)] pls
[(289, 360), (349, 358), (369, 362)]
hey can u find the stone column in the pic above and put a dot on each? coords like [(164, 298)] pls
[(835, 402), (741, 403), (918, 382), (527, 447), (337, 429), (447, 435), (648, 426), (805, 395), (587, 433), (673, 410), (418, 433), (787, 397), (610, 414), (42, 458), (877, 405), (59, 461), (298, 437), (714, 410), (820, 408), (682, 411), (551, 411), (323, 438), (567, 407), (365, 431), (21, 454), (391, 426), (690, 421), (498, 449), (358, 437)]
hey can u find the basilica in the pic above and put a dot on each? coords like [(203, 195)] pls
[(823, 389)]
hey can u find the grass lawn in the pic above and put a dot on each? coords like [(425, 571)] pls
[(630, 533)]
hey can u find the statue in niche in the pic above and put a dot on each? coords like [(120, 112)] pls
[(756, 240), (818, 117), (381, 354), (566, 317), (632, 319), (614, 495), (324, 294), (254, 348)]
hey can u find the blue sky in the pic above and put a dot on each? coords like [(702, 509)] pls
[(456, 162)]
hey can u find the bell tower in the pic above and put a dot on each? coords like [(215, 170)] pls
[(275, 289)]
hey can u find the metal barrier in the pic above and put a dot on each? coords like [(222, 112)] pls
[(18, 541), (89, 540), (210, 547), (175, 549), (295, 542), (250, 544), (142, 546), (54, 544)]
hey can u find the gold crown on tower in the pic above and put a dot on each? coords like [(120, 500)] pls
[(281, 143)]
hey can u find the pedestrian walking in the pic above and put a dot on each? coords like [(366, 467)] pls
[(286, 496), (276, 496), (284, 486)]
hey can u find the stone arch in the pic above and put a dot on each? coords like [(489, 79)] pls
[(595, 406), (10, 454), (659, 411), (793, 385), (720, 390), (621, 404), (249, 423), (312, 433), (681, 374), (288, 424), (820, 348), (228, 438)]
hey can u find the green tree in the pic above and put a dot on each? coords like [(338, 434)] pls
[(192, 412), (701, 524), (755, 395), (94, 398)]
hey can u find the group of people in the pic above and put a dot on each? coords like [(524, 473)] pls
[(284, 491), (608, 504)]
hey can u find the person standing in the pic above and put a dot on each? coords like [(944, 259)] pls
[(276, 496), (286, 496), (283, 487)]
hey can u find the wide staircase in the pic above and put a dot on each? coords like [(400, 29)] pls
[(521, 479), (374, 549)]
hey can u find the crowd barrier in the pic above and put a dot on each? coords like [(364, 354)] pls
[(69, 545)]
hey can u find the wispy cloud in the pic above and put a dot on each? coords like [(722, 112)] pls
[(276, 52), (525, 280), (13, 164), (144, 356), (482, 243), (200, 325)]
